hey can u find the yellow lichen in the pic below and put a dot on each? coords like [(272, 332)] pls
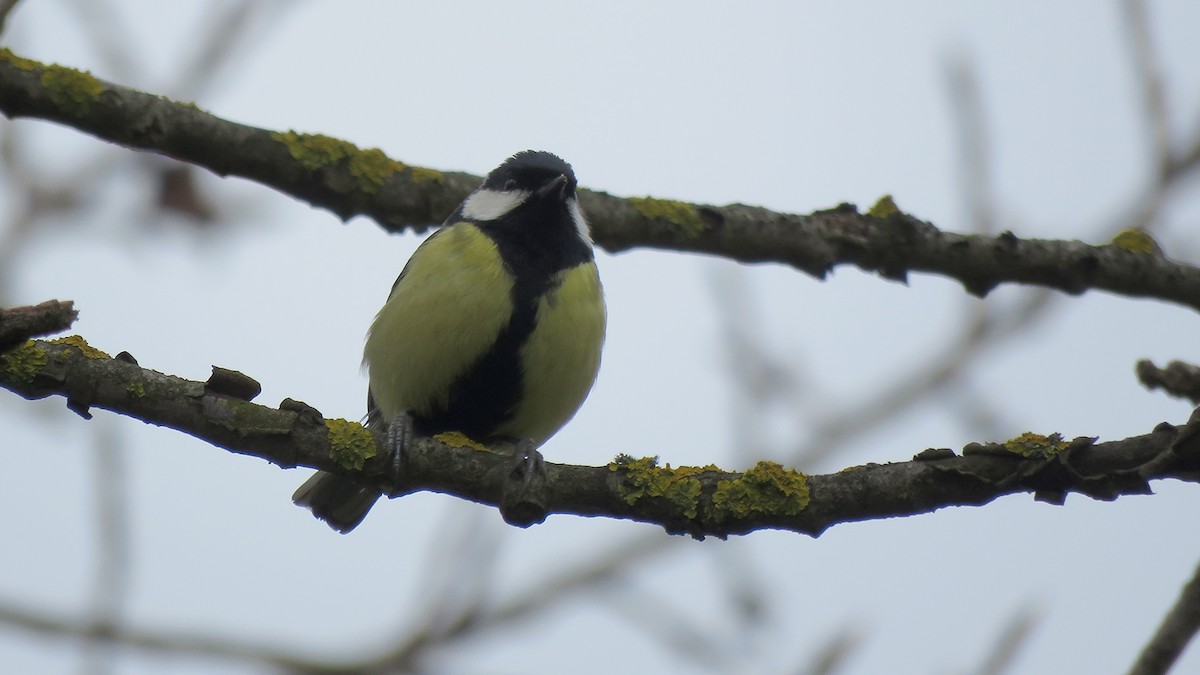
[(422, 175), (82, 345), (372, 168), (72, 90), (457, 439), (136, 390), (644, 478), (681, 214), (350, 444), (884, 207), (765, 489), (18, 61), (1036, 446), (1136, 240), (22, 364), (314, 151), (183, 104)]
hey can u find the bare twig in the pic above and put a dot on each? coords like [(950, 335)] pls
[(598, 572), (1177, 379), (982, 329), (975, 157), (219, 44), (18, 324), (227, 647), (760, 381), (836, 651), (111, 584), (103, 24), (1148, 73), (1172, 158), (460, 571), (194, 643), (6, 8), (1177, 629), (1009, 643), (945, 367), (677, 630)]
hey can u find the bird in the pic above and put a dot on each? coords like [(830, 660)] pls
[(493, 329)]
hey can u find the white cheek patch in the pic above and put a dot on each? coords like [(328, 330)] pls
[(486, 204), (581, 226)]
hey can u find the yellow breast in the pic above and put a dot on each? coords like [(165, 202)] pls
[(561, 356), (453, 300)]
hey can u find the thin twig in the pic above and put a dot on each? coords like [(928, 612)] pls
[(547, 594), (975, 156), (1177, 629), (18, 324), (1148, 73), (834, 654), (6, 8), (944, 368), (1009, 643), (191, 642), (110, 588), (677, 630), (220, 43), (103, 24), (1178, 379)]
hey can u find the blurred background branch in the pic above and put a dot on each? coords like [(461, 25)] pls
[(1178, 628)]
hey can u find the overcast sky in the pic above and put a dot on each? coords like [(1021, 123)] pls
[(795, 106)]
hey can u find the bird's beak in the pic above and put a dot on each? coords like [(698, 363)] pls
[(558, 184)]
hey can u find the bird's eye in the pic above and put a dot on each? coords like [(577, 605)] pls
[(510, 184)]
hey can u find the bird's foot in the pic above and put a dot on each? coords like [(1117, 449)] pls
[(523, 502), (400, 436)]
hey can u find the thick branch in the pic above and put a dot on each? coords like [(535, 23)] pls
[(317, 170), (337, 176), (697, 501)]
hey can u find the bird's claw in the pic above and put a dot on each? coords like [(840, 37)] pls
[(523, 502), (400, 436)]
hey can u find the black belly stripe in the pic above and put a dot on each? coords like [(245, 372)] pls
[(535, 248), (487, 395)]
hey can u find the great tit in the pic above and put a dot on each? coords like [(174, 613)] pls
[(493, 329)]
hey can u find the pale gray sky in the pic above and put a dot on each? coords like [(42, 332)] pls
[(792, 105)]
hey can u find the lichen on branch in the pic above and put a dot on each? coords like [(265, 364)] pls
[(337, 175), (698, 501)]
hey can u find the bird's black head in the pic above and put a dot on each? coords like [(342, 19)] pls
[(527, 205), (534, 171), (533, 189)]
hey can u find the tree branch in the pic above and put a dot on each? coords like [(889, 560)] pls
[(335, 175), (700, 501), (322, 171), (1178, 628), (21, 323), (41, 622), (6, 8), (1178, 379)]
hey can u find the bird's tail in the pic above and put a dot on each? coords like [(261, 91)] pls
[(338, 501)]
